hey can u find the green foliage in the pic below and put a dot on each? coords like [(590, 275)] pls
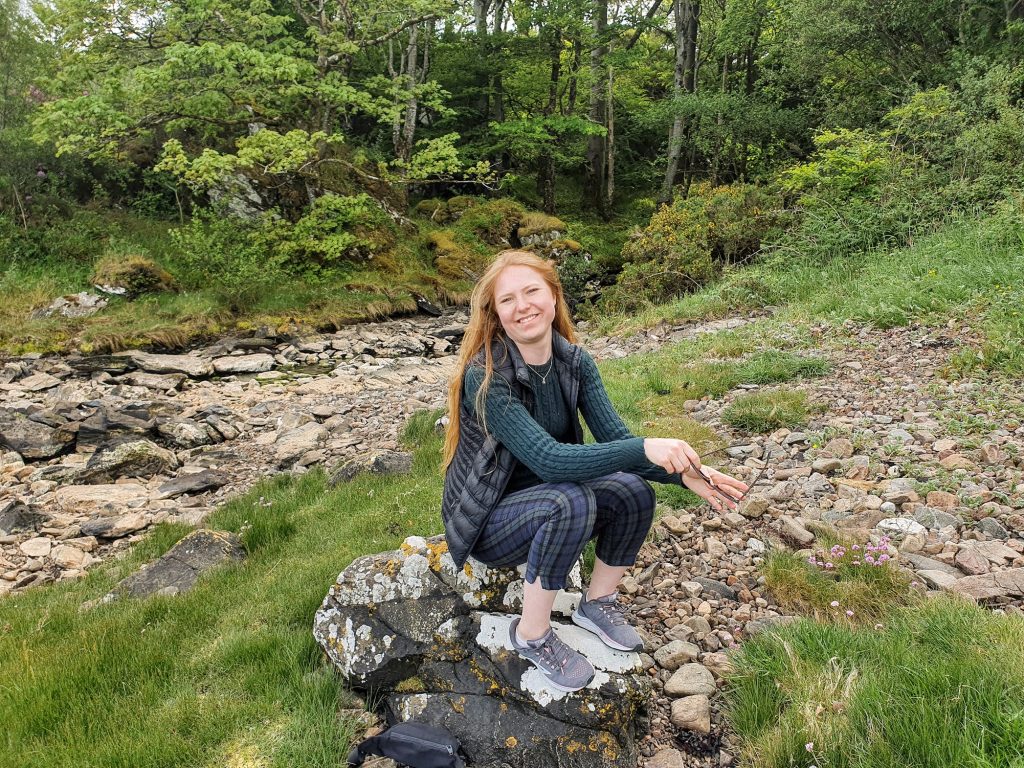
[(225, 256), (685, 244), (337, 228)]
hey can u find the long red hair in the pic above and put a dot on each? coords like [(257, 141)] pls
[(484, 327)]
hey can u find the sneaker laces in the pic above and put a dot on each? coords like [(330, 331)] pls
[(612, 610), (556, 651)]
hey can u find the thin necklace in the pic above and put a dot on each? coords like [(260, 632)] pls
[(543, 376)]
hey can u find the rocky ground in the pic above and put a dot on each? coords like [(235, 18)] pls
[(896, 448)]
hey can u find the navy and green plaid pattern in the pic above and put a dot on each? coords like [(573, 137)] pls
[(548, 525)]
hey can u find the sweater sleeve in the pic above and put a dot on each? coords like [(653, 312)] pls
[(606, 424), (509, 422)]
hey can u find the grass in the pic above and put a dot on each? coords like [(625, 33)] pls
[(174, 320), (938, 684), (767, 411), (226, 672), (970, 269), (870, 591)]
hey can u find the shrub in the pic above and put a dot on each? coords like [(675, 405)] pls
[(336, 229), (134, 272), (686, 244), (229, 258)]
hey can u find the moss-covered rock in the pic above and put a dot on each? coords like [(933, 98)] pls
[(453, 259), (538, 228), (131, 275)]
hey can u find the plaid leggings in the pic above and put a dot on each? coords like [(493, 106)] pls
[(548, 525)]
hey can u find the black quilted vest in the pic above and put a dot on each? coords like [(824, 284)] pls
[(480, 470)]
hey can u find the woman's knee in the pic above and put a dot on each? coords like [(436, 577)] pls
[(574, 508), (637, 494)]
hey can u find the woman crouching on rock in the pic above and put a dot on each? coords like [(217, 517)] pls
[(520, 484)]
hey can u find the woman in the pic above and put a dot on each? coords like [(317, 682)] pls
[(520, 485)]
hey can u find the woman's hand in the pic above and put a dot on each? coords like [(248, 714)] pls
[(716, 488), (674, 456)]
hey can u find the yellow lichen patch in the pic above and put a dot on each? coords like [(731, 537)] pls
[(511, 742), (459, 705), (468, 570), (406, 549), (602, 742), (435, 549), (493, 686), (410, 685)]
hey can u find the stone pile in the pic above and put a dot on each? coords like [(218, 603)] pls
[(94, 450)]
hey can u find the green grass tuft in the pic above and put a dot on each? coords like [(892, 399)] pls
[(767, 411), (936, 685)]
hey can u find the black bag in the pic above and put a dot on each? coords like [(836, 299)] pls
[(412, 744)]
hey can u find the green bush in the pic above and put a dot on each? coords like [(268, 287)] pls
[(229, 258), (336, 229), (686, 244)]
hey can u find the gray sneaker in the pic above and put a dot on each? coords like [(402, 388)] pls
[(606, 618), (564, 668)]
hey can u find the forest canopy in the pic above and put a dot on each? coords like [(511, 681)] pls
[(734, 123)]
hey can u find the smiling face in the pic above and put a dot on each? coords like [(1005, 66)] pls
[(526, 307)]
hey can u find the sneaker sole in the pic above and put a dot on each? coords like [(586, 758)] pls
[(582, 621), (552, 683)]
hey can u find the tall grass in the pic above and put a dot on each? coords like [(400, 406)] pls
[(937, 685), (970, 268), (225, 674)]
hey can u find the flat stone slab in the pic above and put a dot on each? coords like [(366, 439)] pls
[(1009, 583), (180, 568), (195, 482), (191, 365), (258, 363)]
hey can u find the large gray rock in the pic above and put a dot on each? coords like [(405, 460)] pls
[(32, 439), (180, 568), (132, 458), (376, 462), (432, 641), (257, 363), (191, 365)]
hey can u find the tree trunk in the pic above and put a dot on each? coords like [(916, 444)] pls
[(681, 10), (595, 177), (610, 144), (546, 161)]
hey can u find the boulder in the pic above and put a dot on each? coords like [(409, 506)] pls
[(258, 363), (190, 365), (89, 499), (1008, 583), (194, 482), (33, 440), (377, 462), (432, 641), (180, 568), (132, 458)]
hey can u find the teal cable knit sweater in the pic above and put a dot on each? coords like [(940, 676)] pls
[(540, 442)]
